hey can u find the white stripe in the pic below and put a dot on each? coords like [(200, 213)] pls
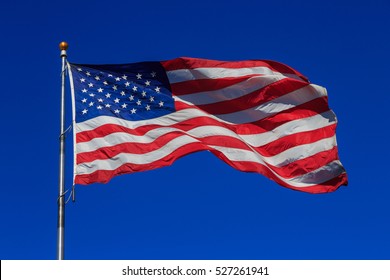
[(261, 139), (301, 125), (301, 152), (318, 176), (182, 75), (279, 160), (232, 92), (255, 140), (123, 137), (276, 105), (165, 120), (254, 114), (315, 177), (120, 159)]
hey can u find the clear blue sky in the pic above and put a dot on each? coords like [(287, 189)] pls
[(198, 208)]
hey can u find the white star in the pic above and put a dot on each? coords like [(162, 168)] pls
[(79, 69), (124, 105), (131, 97), (139, 76), (124, 77), (109, 75), (82, 80), (139, 102), (153, 74), (108, 105), (151, 99), (157, 89), (147, 83), (117, 79), (127, 84), (116, 111), (84, 100), (84, 111), (134, 88), (100, 90), (92, 94), (97, 78), (115, 87), (143, 93), (161, 104), (90, 85), (84, 90), (116, 100), (100, 100), (90, 104), (133, 111), (88, 74), (123, 93), (108, 95), (147, 107), (105, 83), (99, 107)]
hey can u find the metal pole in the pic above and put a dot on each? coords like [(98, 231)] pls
[(61, 177)]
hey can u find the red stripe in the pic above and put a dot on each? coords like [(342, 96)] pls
[(103, 176), (303, 111), (269, 150), (296, 139), (326, 187), (308, 109), (246, 166), (303, 166), (293, 169), (108, 129), (127, 147), (201, 85), (192, 63), (255, 98), (258, 127)]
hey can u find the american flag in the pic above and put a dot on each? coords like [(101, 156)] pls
[(255, 115)]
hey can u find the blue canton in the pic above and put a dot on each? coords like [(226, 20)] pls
[(133, 92)]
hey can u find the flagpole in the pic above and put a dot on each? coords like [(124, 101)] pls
[(61, 177)]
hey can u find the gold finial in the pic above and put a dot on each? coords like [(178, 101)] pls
[(63, 46)]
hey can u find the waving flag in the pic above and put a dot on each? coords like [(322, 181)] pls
[(256, 115)]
